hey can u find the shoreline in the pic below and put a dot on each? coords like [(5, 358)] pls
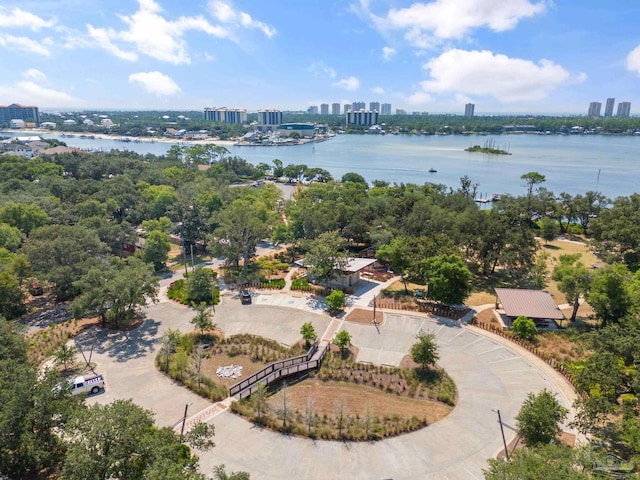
[(118, 138)]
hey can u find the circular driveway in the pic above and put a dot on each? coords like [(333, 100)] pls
[(489, 373)]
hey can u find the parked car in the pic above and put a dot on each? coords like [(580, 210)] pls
[(245, 296)]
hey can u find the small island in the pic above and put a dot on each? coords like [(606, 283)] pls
[(489, 147)]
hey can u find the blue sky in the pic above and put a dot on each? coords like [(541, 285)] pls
[(535, 56)]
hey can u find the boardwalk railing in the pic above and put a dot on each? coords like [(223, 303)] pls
[(277, 370)]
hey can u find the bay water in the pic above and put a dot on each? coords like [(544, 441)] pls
[(570, 163)]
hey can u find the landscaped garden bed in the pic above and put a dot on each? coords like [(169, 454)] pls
[(352, 401)]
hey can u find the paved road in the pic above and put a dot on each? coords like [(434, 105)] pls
[(489, 373)]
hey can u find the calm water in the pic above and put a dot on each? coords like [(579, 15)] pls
[(570, 163)]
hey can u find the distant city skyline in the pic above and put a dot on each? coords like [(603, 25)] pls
[(436, 56)]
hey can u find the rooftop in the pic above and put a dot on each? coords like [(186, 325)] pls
[(530, 303)]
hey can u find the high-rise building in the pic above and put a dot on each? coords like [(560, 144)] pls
[(347, 108), (594, 109), (313, 110), (225, 115), (269, 117), (374, 106), (469, 109), (357, 106), (608, 109), (335, 109), (16, 111), (624, 109), (362, 117), (324, 109), (401, 111), (385, 109)]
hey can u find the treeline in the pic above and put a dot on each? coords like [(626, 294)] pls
[(148, 124)]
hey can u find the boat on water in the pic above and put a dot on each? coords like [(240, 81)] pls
[(432, 170)]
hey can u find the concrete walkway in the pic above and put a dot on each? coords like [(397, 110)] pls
[(489, 371)]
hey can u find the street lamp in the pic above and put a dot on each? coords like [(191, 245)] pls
[(504, 441)]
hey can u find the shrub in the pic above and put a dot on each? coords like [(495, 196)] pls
[(335, 300), (524, 328)]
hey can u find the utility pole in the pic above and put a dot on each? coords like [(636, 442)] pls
[(192, 266), (504, 441), (184, 420)]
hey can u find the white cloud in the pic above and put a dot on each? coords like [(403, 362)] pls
[(427, 23), (633, 60), (419, 98), (485, 73), (102, 37), (348, 83), (24, 44), (225, 13), (31, 93), (377, 90), (34, 74), (153, 35), (317, 68), (20, 18), (155, 82), (388, 53)]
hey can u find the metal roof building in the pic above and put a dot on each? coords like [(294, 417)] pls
[(535, 304)]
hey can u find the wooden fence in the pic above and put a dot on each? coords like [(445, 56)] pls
[(532, 348), (277, 370), (422, 306)]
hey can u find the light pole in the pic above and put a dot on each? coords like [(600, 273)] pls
[(504, 441), (184, 420)]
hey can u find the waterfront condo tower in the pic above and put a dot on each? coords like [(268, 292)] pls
[(624, 109), (225, 115), (16, 111), (594, 109), (335, 109), (374, 106), (269, 117), (386, 109), (362, 117), (469, 109), (608, 109), (324, 109)]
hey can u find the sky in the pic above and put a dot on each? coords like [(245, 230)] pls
[(505, 56)]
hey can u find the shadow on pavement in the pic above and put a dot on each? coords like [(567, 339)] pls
[(125, 346)]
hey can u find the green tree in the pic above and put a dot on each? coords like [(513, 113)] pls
[(203, 319), (548, 229), (327, 255), (62, 254), (448, 277), (65, 355), (120, 440), (242, 224), (398, 254), (524, 328), (574, 280), (22, 216), (544, 461), (540, 418), (609, 294), (11, 298), (353, 178), (220, 473), (308, 333), (160, 199), (425, 350), (335, 300), (200, 285), (259, 400), (342, 341), (10, 237), (32, 410), (156, 249), (530, 180), (116, 290)]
